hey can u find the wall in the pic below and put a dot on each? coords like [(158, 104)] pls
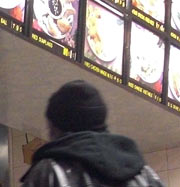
[(166, 162)]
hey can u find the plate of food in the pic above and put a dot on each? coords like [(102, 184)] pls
[(9, 4), (102, 39), (174, 84), (55, 17), (147, 54), (150, 70)]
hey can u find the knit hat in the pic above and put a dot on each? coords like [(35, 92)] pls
[(77, 106)]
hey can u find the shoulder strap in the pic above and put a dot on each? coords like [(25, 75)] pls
[(147, 178), (60, 174), (63, 179)]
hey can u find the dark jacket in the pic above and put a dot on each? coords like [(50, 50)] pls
[(109, 159)]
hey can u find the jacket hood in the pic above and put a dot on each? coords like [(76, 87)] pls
[(112, 156)]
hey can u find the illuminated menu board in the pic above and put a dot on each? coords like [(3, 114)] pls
[(55, 25), (147, 58), (152, 12), (12, 16), (104, 38), (122, 41), (174, 79), (175, 20)]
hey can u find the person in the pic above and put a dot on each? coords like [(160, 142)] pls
[(82, 151)]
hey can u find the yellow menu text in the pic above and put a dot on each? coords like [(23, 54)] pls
[(175, 36), (3, 21), (173, 106), (119, 2), (148, 20), (66, 52), (144, 91), (102, 72), (16, 27), (42, 40)]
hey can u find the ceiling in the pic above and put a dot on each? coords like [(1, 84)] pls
[(29, 74)]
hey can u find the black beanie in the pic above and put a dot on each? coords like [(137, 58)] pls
[(77, 106)]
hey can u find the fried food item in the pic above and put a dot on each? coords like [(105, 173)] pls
[(93, 14), (51, 26), (63, 25), (17, 13)]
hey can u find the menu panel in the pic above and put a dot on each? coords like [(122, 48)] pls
[(150, 12), (58, 19), (154, 8), (175, 20), (175, 14), (55, 26), (12, 14), (104, 37), (147, 58), (13, 8), (174, 79)]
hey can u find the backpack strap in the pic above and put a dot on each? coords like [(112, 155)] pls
[(60, 174), (147, 178), (63, 180), (87, 180)]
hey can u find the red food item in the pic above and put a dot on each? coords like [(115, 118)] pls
[(17, 13), (158, 86)]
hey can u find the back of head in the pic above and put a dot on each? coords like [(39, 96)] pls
[(77, 106)]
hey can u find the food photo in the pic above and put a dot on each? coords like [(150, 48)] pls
[(175, 18), (103, 44), (147, 57), (57, 18), (154, 8), (174, 74), (13, 8)]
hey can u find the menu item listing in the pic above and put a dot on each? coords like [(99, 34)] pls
[(104, 37), (147, 57), (57, 18), (154, 8), (174, 74), (13, 8)]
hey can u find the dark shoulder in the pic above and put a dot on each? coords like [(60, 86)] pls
[(39, 169)]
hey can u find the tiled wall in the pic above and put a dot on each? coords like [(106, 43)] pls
[(166, 163)]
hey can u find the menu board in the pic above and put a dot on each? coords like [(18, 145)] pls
[(101, 36), (147, 58), (55, 23), (12, 14), (104, 37)]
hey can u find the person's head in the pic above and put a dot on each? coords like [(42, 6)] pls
[(77, 106)]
